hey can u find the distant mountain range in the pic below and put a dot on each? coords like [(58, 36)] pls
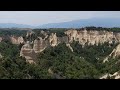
[(97, 22), (14, 25)]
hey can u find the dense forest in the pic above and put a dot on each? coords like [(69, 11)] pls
[(58, 62)]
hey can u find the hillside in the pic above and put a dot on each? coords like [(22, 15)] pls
[(60, 54)]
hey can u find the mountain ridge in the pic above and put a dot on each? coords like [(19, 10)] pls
[(97, 22)]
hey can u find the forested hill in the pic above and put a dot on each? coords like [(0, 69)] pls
[(57, 62)]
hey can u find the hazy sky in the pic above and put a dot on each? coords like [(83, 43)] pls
[(44, 17)]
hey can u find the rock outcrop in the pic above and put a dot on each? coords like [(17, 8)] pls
[(91, 37), (68, 45), (105, 76), (53, 40), (114, 54), (94, 37), (29, 33), (17, 40), (44, 33), (1, 39), (28, 53), (116, 75), (39, 45)]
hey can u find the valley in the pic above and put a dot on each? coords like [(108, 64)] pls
[(60, 53)]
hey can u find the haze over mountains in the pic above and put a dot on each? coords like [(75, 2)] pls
[(14, 25), (97, 22)]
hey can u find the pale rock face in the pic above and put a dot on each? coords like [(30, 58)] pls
[(30, 61), (68, 45), (72, 34), (106, 59), (50, 71), (39, 45), (116, 75), (1, 39), (16, 40), (20, 40), (90, 37), (46, 37), (53, 40), (44, 33), (104, 76), (29, 33), (94, 38), (115, 53), (117, 37), (28, 53)]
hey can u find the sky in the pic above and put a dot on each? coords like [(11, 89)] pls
[(44, 17)]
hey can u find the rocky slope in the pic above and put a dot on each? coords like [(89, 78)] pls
[(90, 37), (14, 39), (116, 75), (114, 54), (39, 45), (88, 57), (17, 40), (28, 53)]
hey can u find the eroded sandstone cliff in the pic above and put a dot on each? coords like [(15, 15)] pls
[(17, 40), (90, 37), (116, 75), (53, 40), (39, 45), (28, 53), (114, 54)]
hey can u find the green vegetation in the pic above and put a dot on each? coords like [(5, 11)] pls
[(5, 32), (80, 64), (62, 61), (114, 29), (83, 63), (59, 32), (14, 67)]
